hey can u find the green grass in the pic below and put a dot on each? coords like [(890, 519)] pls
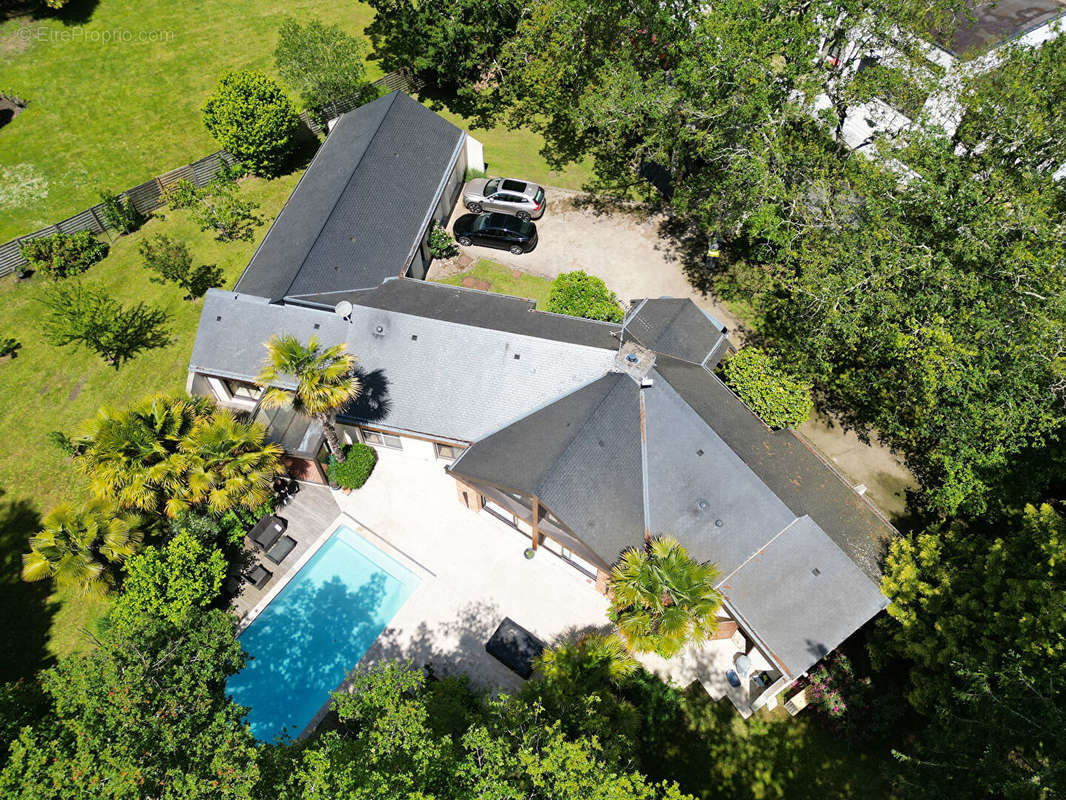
[(112, 114), (516, 154), (48, 388), (492, 277)]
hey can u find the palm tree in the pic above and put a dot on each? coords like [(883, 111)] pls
[(325, 382), (594, 661), (661, 599), (127, 454), (76, 547), (224, 463)]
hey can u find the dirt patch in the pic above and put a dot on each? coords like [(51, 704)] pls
[(17, 40), (76, 390), (469, 282)]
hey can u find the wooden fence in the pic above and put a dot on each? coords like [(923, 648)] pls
[(145, 197), (148, 196)]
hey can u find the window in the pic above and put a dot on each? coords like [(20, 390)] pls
[(491, 187), (513, 186), (382, 439), (447, 451), (509, 198), (247, 391)]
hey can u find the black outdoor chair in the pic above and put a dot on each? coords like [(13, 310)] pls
[(267, 531), (281, 548), (514, 647), (259, 576)]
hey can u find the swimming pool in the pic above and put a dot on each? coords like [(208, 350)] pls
[(316, 630)]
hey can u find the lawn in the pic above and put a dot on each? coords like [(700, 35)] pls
[(112, 114), (492, 277), (48, 388)]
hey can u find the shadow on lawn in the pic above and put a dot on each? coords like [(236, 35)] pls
[(25, 612)]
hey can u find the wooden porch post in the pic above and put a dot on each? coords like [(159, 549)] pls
[(536, 527)]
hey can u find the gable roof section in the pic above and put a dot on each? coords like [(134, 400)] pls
[(480, 310), (677, 327), (801, 596), (421, 375), (584, 445), (362, 205), (695, 482), (785, 464)]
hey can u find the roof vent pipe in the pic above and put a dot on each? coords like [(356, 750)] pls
[(646, 383)]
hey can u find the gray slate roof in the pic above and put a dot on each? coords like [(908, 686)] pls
[(801, 596), (479, 309), (422, 375), (677, 327), (363, 204), (785, 464)]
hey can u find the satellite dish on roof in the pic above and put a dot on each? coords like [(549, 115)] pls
[(344, 309)]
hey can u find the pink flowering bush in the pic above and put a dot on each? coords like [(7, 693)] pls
[(848, 704)]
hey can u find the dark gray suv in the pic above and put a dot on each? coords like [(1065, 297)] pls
[(505, 196)]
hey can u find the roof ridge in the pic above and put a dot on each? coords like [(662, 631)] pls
[(351, 173), (593, 413), (769, 542)]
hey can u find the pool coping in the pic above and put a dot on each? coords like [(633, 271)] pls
[(373, 538)]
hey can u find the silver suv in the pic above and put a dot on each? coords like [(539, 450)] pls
[(505, 196)]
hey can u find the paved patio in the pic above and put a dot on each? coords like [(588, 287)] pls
[(309, 516), (473, 575)]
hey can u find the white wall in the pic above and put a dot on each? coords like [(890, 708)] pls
[(475, 154)]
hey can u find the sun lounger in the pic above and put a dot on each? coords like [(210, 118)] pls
[(267, 532), (281, 549), (514, 647), (259, 576)]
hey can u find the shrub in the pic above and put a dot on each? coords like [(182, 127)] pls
[(171, 261), (352, 473), (119, 212), (82, 316), (767, 388), (63, 443), (9, 346), (441, 243), (251, 117), (221, 209), (63, 254), (182, 194), (323, 63), (582, 295)]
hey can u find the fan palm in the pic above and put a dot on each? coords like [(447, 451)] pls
[(75, 547), (661, 599), (224, 463), (325, 382), (127, 454)]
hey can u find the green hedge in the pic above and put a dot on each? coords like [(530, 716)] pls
[(582, 295), (352, 473), (767, 388)]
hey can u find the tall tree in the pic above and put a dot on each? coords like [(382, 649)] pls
[(143, 715), (661, 599), (454, 47), (971, 592), (1016, 112), (323, 63), (81, 547), (324, 378)]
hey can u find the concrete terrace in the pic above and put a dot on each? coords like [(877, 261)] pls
[(473, 575)]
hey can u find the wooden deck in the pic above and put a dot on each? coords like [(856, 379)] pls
[(309, 516)]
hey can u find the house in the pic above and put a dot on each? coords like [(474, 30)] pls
[(586, 436), (974, 48)]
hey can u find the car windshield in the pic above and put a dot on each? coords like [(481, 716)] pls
[(491, 186), (540, 196)]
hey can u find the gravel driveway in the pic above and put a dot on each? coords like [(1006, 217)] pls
[(625, 248)]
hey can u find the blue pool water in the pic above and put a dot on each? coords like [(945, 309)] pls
[(304, 643)]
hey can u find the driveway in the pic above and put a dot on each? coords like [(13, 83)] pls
[(636, 256), (624, 247)]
